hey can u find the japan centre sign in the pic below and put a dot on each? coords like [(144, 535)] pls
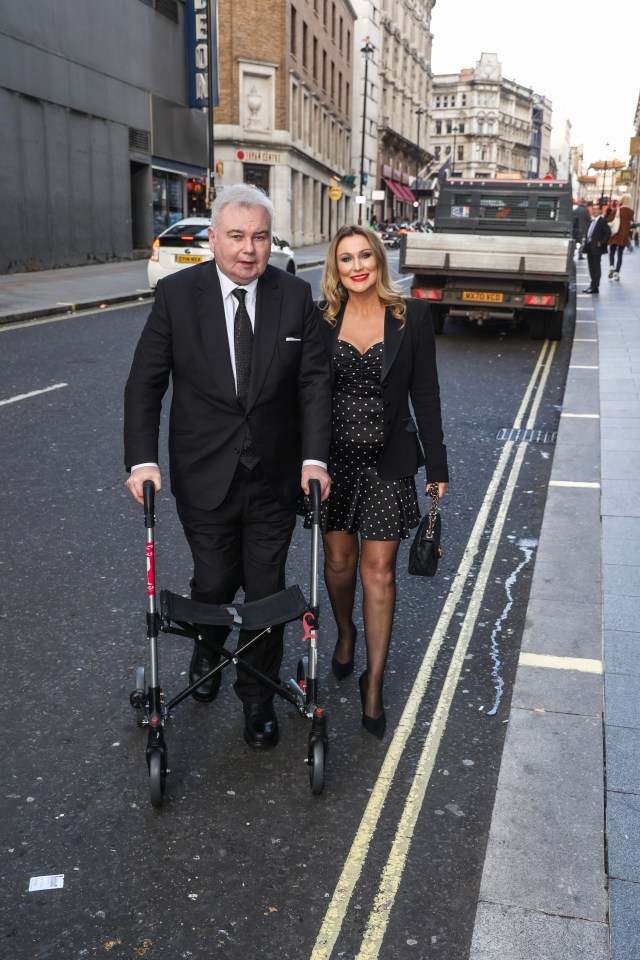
[(198, 47)]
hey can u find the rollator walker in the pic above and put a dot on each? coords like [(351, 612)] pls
[(185, 618)]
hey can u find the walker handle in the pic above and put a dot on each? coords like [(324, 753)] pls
[(314, 497), (148, 493)]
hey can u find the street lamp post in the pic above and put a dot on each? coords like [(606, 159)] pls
[(367, 49), (419, 113), (453, 159), (604, 175)]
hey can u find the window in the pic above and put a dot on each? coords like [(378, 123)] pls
[(449, 126), (333, 21), (305, 37), (437, 103), (463, 99), (324, 70), (461, 128), (294, 30), (438, 127), (460, 153), (340, 89), (341, 32), (315, 58), (436, 151), (333, 81)]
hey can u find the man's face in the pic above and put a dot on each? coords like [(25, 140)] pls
[(241, 243), (595, 210)]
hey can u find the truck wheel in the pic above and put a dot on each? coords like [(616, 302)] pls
[(437, 318), (536, 326), (553, 325)]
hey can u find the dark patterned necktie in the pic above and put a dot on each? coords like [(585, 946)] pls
[(243, 346)]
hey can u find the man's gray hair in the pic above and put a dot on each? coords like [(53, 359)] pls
[(240, 195)]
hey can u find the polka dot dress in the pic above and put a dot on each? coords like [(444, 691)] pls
[(360, 501)]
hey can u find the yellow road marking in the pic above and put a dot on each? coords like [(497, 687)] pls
[(392, 873), (581, 664), (586, 484), (356, 857)]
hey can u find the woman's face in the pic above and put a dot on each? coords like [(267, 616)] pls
[(357, 264)]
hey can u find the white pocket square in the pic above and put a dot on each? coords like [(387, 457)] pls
[(293, 339)]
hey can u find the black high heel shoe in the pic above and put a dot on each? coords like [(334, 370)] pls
[(343, 670), (374, 725)]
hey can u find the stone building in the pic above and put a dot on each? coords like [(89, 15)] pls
[(393, 49), (284, 115), (97, 142), (483, 125)]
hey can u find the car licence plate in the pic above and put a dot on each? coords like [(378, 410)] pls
[(482, 296), (184, 259)]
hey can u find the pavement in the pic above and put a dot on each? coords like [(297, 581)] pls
[(561, 878)]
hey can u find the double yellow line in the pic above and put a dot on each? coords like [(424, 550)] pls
[(393, 870)]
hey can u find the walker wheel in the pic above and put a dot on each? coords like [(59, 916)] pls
[(157, 777), (316, 766), (301, 673)]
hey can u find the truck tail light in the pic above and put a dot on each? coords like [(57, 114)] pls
[(155, 255), (539, 300), (423, 293)]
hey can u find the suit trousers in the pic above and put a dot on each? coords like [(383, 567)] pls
[(595, 268), (243, 543)]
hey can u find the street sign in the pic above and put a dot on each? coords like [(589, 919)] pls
[(634, 146), (335, 193), (377, 194), (360, 199)]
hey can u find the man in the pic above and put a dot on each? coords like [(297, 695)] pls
[(595, 246), (250, 424), (581, 221)]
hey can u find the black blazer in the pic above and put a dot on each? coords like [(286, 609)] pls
[(289, 402), (408, 373), (600, 237)]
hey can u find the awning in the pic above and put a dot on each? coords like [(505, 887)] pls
[(395, 188), (409, 195)]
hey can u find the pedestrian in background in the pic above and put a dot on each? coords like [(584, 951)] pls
[(620, 226), (382, 351), (595, 246), (581, 221)]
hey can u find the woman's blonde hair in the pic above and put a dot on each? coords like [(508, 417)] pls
[(335, 295)]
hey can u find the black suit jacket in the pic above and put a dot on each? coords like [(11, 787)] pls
[(597, 244), (409, 373), (289, 401)]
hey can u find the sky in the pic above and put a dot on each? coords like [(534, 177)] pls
[(568, 50)]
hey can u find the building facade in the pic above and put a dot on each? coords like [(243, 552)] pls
[(485, 126), (284, 115), (97, 144), (406, 95)]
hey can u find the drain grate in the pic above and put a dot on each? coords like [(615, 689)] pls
[(527, 436)]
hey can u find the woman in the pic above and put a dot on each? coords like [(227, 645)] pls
[(382, 350), (620, 239)]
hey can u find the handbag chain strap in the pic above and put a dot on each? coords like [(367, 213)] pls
[(432, 491)]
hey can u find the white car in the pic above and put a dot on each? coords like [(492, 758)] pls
[(187, 242)]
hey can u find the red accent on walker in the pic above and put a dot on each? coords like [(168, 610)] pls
[(151, 571), (308, 621)]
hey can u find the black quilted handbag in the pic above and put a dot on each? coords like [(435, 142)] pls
[(426, 550)]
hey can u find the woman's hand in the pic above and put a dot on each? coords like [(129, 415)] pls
[(442, 488)]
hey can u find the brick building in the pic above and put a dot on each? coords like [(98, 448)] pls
[(284, 115)]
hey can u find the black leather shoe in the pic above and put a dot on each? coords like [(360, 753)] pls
[(197, 668), (343, 670), (260, 725), (590, 290)]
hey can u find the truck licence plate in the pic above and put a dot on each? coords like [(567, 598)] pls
[(184, 259), (482, 296)]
